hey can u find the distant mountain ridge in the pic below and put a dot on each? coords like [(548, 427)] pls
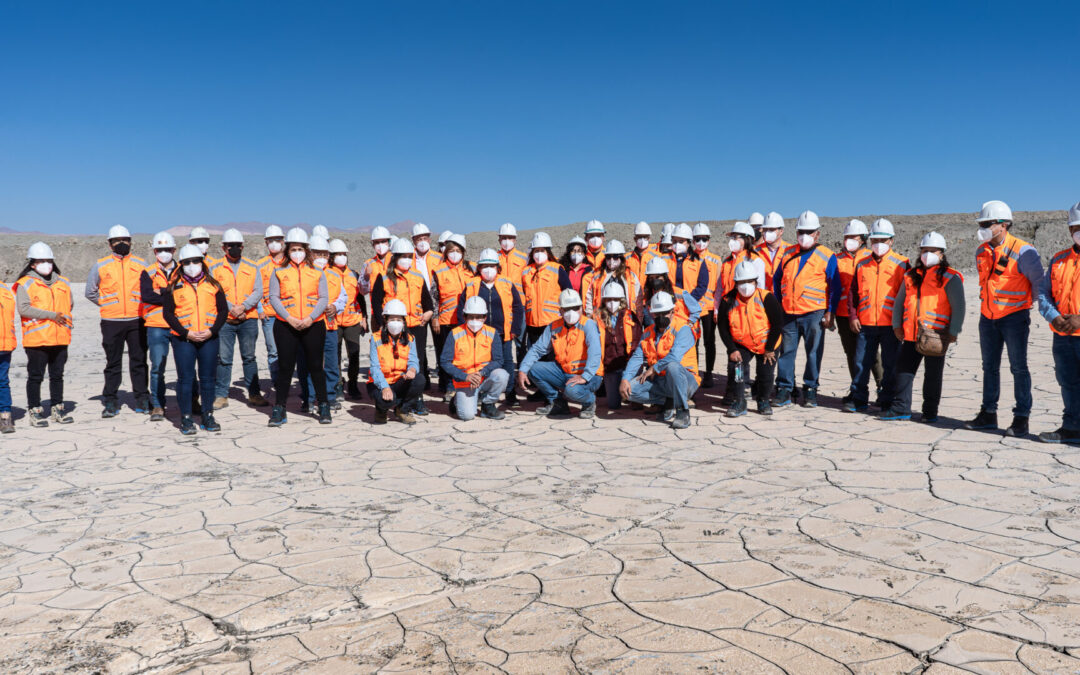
[(257, 228)]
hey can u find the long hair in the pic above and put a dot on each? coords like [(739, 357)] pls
[(565, 261), (918, 272), (286, 259), (392, 269), (620, 271), (605, 315), (404, 337), (664, 285), (29, 267), (748, 246)]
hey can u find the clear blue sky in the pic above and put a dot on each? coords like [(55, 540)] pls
[(466, 115)]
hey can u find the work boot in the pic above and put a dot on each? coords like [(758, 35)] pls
[(894, 415), (764, 407), (59, 416), (491, 411), (157, 414), (929, 417), (1019, 427), (546, 408), (324, 413), (404, 417), (984, 420), (738, 408), (187, 425), (335, 406), (142, 405), (339, 389), (782, 398), (707, 381), (354, 391), (277, 416), (588, 411), (666, 412), (809, 397), (681, 419), (6, 425), (560, 408), (511, 398), (419, 408), (111, 410), (380, 416), (257, 400), (535, 397), (1062, 435), (37, 417), (209, 423), (221, 402)]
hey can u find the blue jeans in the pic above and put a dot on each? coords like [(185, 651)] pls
[(467, 400), (867, 343), (550, 379), (677, 383), (157, 339), (612, 378), (808, 327), (1067, 369), (1011, 332), (331, 366), (271, 346), (5, 385), (247, 331), (188, 356)]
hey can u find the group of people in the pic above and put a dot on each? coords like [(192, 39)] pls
[(596, 321)]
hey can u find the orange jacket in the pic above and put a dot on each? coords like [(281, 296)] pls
[(266, 267), (1064, 276), (877, 282), (1003, 289), (334, 284), (350, 316), (771, 263), (637, 260), (845, 267), (54, 298), (449, 281), (570, 347), (653, 350), (409, 288), (727, 273), (298, 288), (713, 263), (505, 290), (934, 310), (541, 289), (151, 314), (119, 294), (393, 357), (239, 285), (196, 305), (472, 353), (595, 259), (593, 296), (512, 264), (748, 321), (805, 290), (7, 319)]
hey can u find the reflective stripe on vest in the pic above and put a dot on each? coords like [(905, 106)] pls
[(570, 347), (350, 316), (930, 299), (7, 320), (748, 322), (393, 356), (196, 306), (879, 281), (653, 350), (54, 298), (541, 289), (845, 267), (1003, 289), (152, 314), (772, 264), (512, 264), (119, 293), (1065, 284), (805, 290), (472, 352), (409, 288), (298, 288), (239, 285), (451, 280), (333, 290), (503, 289)]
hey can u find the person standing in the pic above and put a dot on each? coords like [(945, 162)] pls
[(750, 322), (394, 380), (199, 237), (113, 285), (330, 359), (44, 302), (7, 346), (577, 267), (1059, 303), (154, 278), (352, 320), (772, 246), (620, 333), (447, 283), (643, 251), (595, 235), (195, 307), (1009, 272), (541, 281), (709, 301), (615, 272), (505, 310), (375, 266), (274, 238), (855, 250), (512, 262), (685, 267), (240, 278), (740, 242), (472, 356)]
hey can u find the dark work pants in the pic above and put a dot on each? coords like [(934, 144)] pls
[(37, 360), (848, 341), (440, 340), (904, 380), (419, 334), (289, 343), (350, 335), (114, 335), (762, 386), (406, 393), (708, 335)]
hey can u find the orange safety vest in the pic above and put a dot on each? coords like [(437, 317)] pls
[(749, 323), (541, 289), (654, 350), (152, 314), (451, 280), (504, 289), (7, 319), (239, 285), (691, 268), (376, 268), (630, 283), (772, 263), (119, 293), (626, 323), (713, 264), (1065, 283), (350, 316), (1002, 288), (805, 290), (472, 352), (334, 282), (879, 281), (512, 264), (845, 265), (595, 259), (196, 305), (571, 350), (54, 298), (393, 356), (298, 288), (930, 299), (727, 273), (637, 260), (266, 267), (410, 290)]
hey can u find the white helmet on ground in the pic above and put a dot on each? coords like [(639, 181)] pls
[(420, 229), (320, 231), (756, 219), (119, 232), (379, 233), (338, 246), (540, 240), (507, 230), (995, 210), (296, 235), (488, 257), (661, 302), (569, 298), (856, 227), (882, 229), (190, 252), (163, 240), (232, 236), (594, 227), (39, 251), (273, 231), (683, 231), (475, 305), (656, 265), (613, 291), (394, 308), (933, 240), (319, 243), (745, 271), (614, 247), (808, 222), (642, 229), (402, 245), (742, 228), (198, 233), (702, 230)]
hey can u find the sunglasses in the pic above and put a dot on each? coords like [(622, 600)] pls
[(697, 239)]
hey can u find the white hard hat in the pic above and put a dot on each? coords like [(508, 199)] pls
[(540, 240), (296, 235), (232, 236), (190, 252), (756, 219), (661, 302), (683, 231), (774, 220), (507, 230), (319, 243), (882, 229), (855, 227), (808, 222), (642, 229), (320, 231), (1074, 214), (667, 229), (163, 240), (393, 238), (569, 298), (612, 291), (742, 228), (995, 210), (119, 232), (594, 227), (702, 230), (198, 233), (933, 240), (444, 236), (420, 229), (614, 247), (402, 245), (475, 305), (458, 239), (665, 238), (575, 240), (379, 233), (273, 231), (656, 265), (338, 246), (39, 251), (488, 257), (746, 271), (394, 308)]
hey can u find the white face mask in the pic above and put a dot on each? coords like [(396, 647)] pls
[(1076, 237), (770, 236), (193, 270), (475, 325), (984, 234), (454, 256), (880, 248), (806, 241), (852, 244), (680, 248), (275, 246), (930, 259), (341, 260), (298, 256), (613, 306), (320, 262), (404, 264), (381, 248), (395, 327), (735, 245), (164, 257), (540, 257), (612, 263), (576, 257), (642, 242), (571, 317), (422, 246), (507, 244), (203, 247), (595, 242), (747, 288), (43, 268), (700, 246), (488, 274)]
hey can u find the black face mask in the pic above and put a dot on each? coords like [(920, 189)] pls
[(662, 323), (234, 250), (121, 248)]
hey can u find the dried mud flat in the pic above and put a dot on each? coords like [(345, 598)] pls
[(812, 542)]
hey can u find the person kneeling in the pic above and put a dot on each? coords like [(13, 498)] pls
[(472, 355), (577, 369), (393, 380), (751, 322), (666, 358)]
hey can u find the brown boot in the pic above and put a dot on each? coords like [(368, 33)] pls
[(6, 425), (404, 417), (220, 402)]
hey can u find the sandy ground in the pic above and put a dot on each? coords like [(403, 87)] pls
[(812, 542)]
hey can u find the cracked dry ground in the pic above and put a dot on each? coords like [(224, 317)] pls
[(812, 542)]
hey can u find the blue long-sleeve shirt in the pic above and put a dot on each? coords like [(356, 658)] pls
[(593, 358), (693, 308), (832, 279), (684, 342), (446, 359), (702, 285), (495, 316), (1047, 305), (377, 376)]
